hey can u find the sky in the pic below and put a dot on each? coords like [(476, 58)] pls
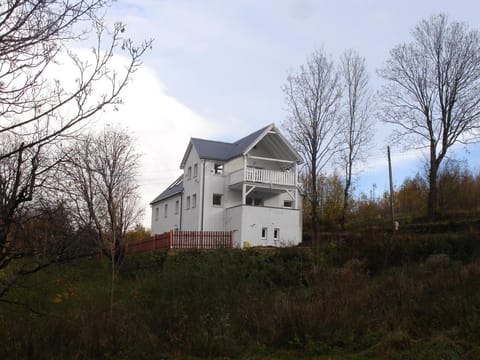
[(217, 67)]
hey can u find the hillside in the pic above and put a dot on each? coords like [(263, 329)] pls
[(361, 297)]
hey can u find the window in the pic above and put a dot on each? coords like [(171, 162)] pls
[(157, 210), (264, 233), (217, 200), (177, 206), (195, 170), (287, 203), (218, 169), (194, 200), (165, 213), (189, 173), (254, 201), (276, 234), (188, 202)]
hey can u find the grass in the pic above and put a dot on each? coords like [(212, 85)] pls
[(335, 302)]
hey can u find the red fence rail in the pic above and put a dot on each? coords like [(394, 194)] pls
[(183, 240)]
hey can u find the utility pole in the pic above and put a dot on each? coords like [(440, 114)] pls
[(391, 192)]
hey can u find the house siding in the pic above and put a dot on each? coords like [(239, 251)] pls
[(251, 219), (192, 186), (213, 216), (161, 223)]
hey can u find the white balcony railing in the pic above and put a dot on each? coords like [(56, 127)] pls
[(263, 176), (270, 176)]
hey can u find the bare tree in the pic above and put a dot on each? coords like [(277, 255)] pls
[(38, 109), (432, 93), (313, 98), (100, 179), (358, 121)]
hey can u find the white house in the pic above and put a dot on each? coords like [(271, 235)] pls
[(248, 187)]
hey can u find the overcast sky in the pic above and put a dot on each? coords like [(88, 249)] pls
[(217, 67)]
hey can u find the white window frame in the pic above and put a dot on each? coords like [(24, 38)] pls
[(188, 203), (264, 233), (157, 213), (165, 211), (177, 206), (276, 234), (189, 173), (285, 202), (194, 201), (195, 170)]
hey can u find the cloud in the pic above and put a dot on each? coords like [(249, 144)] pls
[(162, 126)]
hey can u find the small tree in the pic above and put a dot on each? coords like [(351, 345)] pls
[(104, 168), (432, 94), (313, 98), (412, 195), (100, 178)]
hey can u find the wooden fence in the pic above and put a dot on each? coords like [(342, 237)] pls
[(183, 240)]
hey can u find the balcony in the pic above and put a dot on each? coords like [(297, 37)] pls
[(263, 176)]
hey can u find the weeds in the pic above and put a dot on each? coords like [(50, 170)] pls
[(232, 303)]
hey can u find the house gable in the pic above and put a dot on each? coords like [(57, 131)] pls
[(272, 144), (268, 139)]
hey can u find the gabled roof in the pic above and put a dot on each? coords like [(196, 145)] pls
[(241, 146), (223, 151), (175, 188), (211, 150)]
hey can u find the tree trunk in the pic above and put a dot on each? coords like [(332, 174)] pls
[(346, 192), (432, 190), (315, 230), (345, 206)]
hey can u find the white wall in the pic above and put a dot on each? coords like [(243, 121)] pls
[(160, 223), (213, 215), (192, 186), (234, 165), (233, 222), (253, 219)]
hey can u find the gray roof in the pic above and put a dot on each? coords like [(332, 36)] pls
[(175, 188), (217, 150), (212, 150)]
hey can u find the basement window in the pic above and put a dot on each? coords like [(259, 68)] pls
[(264, 233), (276, 234)]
